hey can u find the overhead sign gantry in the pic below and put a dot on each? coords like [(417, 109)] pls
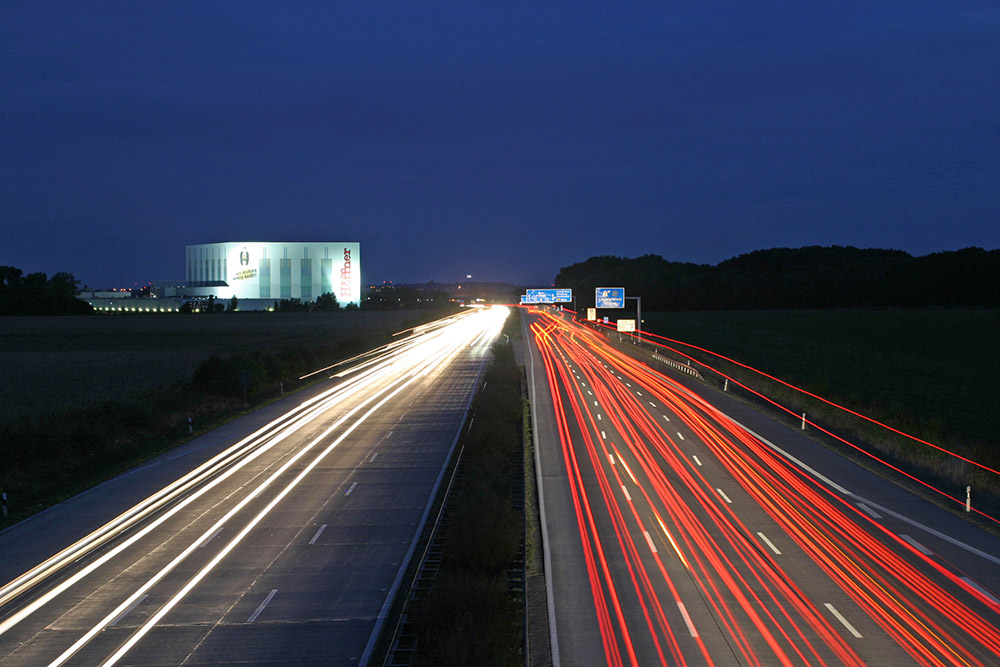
[(556, 295)]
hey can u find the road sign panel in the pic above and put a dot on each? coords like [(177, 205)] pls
[(609, 297), (558, 295), (626, 325)]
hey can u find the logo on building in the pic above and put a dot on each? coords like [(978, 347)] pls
[(244, 258), (345, 275)]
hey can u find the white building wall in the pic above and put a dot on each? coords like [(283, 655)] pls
[(255, 270)]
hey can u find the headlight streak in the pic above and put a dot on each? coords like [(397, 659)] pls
[(165, 609), (209, 475), (880, 572), (441, 347), (737, 590), (236, 456)]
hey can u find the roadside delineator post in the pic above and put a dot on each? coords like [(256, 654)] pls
[(803, 421), (4, 504), (968, 500), (726, 387)]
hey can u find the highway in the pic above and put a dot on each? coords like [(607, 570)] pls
[(280, 544), (683, 528)]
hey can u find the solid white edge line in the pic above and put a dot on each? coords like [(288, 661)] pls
[(270, 596), (404, 564), (885, 510), (527, 339), (144, 629), (840, 617)]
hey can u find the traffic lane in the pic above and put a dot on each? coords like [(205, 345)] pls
[(967, 548), (653, 621), (184, 522), (731, 558), (41, 535), (336, 577), (575, 635), (85, 605), (480, 351), (824, 605), (937, 609)]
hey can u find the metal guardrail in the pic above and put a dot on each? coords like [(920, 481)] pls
[(404, 643), (684, 368)]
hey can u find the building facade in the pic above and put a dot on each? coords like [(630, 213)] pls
[(255, 270)]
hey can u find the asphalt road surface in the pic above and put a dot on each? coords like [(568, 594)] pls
[(279, 539), (682, 527)]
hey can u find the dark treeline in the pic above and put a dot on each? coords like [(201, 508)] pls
[(37, 294), (391, 297), (811, 277)]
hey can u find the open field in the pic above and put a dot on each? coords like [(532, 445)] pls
[(932, 369), (55, 363), (927, 372)]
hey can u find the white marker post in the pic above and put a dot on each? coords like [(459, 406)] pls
[(803, 421), (968, 500)]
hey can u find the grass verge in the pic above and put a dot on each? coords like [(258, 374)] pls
[(927, 372), (474, 613)]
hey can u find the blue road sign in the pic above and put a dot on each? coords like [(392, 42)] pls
[(560, 295), (609, 297)]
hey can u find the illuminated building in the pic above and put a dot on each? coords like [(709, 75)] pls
[(275, 271)]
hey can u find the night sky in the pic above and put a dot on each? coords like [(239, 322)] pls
[(499, 139)]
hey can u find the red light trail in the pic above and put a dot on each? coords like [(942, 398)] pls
[(671, 557)]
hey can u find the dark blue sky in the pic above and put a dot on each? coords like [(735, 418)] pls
[(501, 139)]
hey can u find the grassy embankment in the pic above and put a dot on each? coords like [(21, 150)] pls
[(471, 617), (928, 372), (85, 398)]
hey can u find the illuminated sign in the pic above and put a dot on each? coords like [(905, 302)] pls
[(559, 295), (346, 285), (591, 314), (626, 325), (609, 297)]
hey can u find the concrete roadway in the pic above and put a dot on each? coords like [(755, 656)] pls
[(290, 558), (574, 626)]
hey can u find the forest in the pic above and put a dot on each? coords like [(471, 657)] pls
[(809, 277)]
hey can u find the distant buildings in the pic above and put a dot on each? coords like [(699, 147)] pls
[(256, 274)]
